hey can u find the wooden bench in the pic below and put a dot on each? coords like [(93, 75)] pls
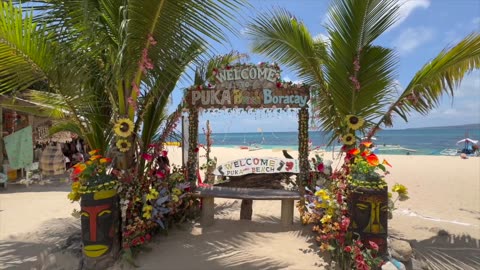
[(247, 195)]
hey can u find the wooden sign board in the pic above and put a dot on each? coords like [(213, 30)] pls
[(248, 87), (257, 165)]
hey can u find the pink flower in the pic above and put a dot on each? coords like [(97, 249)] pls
[(147, 157), (345, 223), (348, 249), (320, 167), (160, 174), (164, 153), (151, 40), (373, 245), (152, 145), (135, 88)]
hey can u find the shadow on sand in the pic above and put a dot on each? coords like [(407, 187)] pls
[(232, 244), (34, 250), (447, 251)]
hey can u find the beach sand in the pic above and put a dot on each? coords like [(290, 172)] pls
[(441, 220)]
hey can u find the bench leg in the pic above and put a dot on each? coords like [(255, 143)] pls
[(208, 211), (287, 212), (246, 209)]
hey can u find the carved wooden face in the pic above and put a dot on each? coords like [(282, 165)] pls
[(99, 218), (369, 213)]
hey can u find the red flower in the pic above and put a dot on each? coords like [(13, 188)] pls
[(348, 249), (147, 157), (354, 151), (373, 245), (148, 237), (152, 145), (320, 167), (160, 174), (279, 85), (372, 159), (164, 153), (196, 150), (345, 223)]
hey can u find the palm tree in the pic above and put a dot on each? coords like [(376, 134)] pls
[(103, 60), (351, 75)]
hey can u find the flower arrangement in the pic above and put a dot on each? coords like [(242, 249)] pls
[(330, 205), (364, 167), (152, 201), (91, 176)]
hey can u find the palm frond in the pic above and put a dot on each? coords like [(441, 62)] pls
[(438, 77), (25, 51), (282, 37)]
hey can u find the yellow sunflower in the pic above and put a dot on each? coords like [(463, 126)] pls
[(348, 139), (123, 145), (123, 127), (354, 122)]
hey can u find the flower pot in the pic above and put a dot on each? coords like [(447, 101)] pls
[(368, 209), (100, 221)]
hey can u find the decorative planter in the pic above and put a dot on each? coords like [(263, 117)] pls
[(368, 209), (100, 219)]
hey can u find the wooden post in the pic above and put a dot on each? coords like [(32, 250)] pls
[(208, 211), (246, 210), (287, 212), (302, 180), (1, 139)]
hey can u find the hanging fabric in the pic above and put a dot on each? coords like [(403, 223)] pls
[(19, 148)]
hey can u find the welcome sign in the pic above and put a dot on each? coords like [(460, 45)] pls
[(257, 165), (248, 87)]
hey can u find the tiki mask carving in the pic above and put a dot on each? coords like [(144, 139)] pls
[(100, 222)]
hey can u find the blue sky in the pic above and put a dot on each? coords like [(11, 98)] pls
[(424, 29)]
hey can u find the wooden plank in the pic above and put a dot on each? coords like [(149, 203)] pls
[(246, 210), (287, 212), (208, 211), (245, 193)]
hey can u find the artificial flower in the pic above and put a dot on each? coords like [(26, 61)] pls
[(400, 189), (348, 139), (326, 218), (176, 191), (385, 162), (80, 168), (373, 245), (123, 145), (175, 198), (354, 151), (123, 127), (105, 160), (354, 122), (95, 157), (372, 160), (93, 152), (367, 144), (147, 157)]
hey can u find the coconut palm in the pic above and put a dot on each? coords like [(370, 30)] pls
[(353, 76), (101, 60)]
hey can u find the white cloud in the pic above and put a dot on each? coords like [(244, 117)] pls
[(407, 7), (411, 38), (322, 37)]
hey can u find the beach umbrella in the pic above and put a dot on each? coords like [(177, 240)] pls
[(468, 140)]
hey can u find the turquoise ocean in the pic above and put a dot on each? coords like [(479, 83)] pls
[(418, 141)]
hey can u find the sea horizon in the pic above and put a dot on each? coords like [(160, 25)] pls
[(413, 141)]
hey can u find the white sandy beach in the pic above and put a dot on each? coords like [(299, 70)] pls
[(441, 221)]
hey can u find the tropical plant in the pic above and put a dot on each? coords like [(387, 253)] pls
[(353, 76), (104, 60)]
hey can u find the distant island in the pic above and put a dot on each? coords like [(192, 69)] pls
[(466, 127)]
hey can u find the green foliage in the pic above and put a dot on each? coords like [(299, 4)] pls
[(352, 75)]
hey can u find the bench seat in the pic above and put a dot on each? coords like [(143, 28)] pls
[(209, 193)]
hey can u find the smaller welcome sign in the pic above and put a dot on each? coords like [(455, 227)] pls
[(257, 165)]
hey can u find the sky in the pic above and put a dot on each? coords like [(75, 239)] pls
[(425, 28)]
